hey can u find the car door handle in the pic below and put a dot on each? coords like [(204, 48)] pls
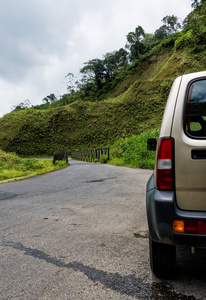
[(198, 154)]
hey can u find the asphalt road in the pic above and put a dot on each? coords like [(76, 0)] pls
[(81, 233)]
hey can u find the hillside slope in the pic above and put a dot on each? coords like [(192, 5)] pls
[(135, 104)]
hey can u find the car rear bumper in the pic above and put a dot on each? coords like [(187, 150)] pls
[(162, 210)]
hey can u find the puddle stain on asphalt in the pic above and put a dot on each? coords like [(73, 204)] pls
[(7, 195), (128, 285), (100, 180)]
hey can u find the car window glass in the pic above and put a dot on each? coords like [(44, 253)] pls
[(196, 109)]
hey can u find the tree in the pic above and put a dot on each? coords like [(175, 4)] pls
[(194, 28), (135, 44), (113, 61), (70, 85), (100, 72), (197, 23), (49, 99), (161, 33), (121, 57), (172, 23), (149, 41), (94, 71), (22, 106), (196, 3)]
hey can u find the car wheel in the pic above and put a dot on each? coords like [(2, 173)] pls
[(162, 259)]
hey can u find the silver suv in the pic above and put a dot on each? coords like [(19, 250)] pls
[(176, 192)]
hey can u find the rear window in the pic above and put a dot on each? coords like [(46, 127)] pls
[(195, 125)]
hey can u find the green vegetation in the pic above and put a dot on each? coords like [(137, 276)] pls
[(132, 151), (103, 159), (120, 99), (12, 166), (135, 105)]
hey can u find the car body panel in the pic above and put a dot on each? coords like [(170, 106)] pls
[(162, 210), (190, 173), (187, 201), (167, 120)]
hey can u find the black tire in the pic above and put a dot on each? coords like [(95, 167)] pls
[(162, 259)]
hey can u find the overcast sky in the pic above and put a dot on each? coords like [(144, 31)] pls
[(43, 40)]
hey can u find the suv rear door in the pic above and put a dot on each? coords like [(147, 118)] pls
[(189, 132)]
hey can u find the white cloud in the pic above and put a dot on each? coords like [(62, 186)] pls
[(43, 40)]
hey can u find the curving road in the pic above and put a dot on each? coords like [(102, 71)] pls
[(81, 233)]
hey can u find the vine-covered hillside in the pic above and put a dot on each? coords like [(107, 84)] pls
[(135, 105)]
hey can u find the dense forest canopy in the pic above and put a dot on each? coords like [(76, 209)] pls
[(99, 76)]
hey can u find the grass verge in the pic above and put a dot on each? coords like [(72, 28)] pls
[(132, 151), (12, 166)]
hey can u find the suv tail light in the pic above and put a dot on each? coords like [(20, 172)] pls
[(193, 227), (165, 164)]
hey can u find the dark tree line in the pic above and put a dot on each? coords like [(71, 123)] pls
[(101, 71), (99, 75)]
